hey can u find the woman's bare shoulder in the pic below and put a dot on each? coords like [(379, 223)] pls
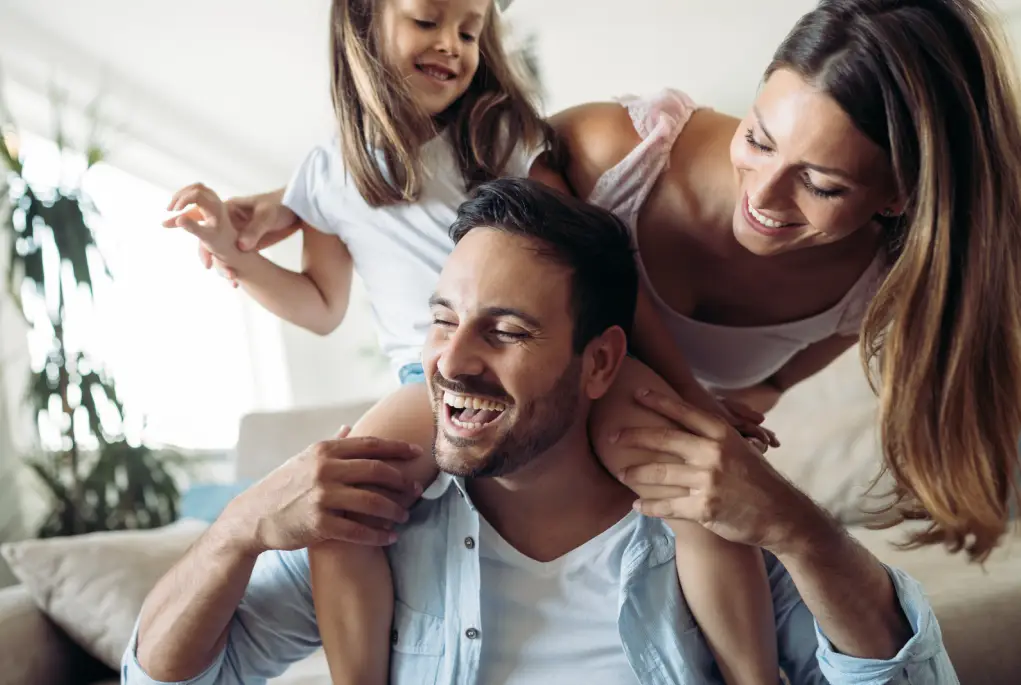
[(596, 136)]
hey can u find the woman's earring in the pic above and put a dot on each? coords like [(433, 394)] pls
[(888, 212)]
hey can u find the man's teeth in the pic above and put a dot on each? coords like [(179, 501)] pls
[(765, 220), (463, 402)]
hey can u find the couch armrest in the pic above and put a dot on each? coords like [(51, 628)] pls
[(33, 650)]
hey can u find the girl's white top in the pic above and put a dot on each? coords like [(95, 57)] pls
[(398, 250)]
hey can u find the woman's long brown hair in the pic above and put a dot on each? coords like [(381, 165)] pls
[(375, 110), (933, 83)]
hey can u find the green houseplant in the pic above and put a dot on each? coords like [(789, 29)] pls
[(95, 478)]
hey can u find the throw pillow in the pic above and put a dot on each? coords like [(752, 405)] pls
[(206, 501), (93, 586)]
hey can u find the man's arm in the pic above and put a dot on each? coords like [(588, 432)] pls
[(843, 585), (273, 626), (809, 657), (196, 609), (868, 615), (185, 619)]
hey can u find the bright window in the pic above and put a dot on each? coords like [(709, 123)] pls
[(172, 336)]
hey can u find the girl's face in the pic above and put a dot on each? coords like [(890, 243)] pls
[(806, 175), (434, 45)]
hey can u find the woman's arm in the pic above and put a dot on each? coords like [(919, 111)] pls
[(803, 365)]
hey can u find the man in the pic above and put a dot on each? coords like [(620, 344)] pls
[(525, 561)]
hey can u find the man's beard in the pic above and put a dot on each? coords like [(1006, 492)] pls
[(537, 426)]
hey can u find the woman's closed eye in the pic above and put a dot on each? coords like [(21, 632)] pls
[(825, 193), (425, 23), (749, 136)]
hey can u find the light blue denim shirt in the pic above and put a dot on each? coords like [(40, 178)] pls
[(438, 631)]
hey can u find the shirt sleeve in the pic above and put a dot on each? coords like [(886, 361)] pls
[(304, 194), (274, 627), (808, 657)]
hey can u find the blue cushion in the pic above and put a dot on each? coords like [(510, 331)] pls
[(205, 501)]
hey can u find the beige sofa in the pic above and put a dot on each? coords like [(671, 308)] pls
[(827, 426)]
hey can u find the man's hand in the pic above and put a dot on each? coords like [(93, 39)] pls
[(309, 498), (723, 482)]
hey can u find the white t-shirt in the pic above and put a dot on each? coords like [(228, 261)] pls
[(553, 622), (398, 250)]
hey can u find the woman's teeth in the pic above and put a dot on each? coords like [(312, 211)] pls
[(765, 220)]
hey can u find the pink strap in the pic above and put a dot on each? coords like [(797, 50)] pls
[(658, 120)]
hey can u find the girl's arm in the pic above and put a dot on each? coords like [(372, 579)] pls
[(316, 298)]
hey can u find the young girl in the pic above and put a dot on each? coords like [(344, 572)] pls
[(428, 107)]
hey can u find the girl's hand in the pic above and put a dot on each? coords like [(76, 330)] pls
[(748, 422), (261, 221), (207, 219)]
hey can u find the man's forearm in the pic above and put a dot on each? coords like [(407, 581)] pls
[(846, 588), (185, 619)]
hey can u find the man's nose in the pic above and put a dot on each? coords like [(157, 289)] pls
[(460, 356)]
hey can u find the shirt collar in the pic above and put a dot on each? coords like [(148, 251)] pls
[(442, 483)]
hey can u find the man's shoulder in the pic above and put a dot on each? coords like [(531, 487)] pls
[(284, 567)]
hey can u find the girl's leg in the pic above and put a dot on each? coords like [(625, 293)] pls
[(351, 584), (724, 583)]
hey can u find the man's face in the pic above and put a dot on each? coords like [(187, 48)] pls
[(503, 377)]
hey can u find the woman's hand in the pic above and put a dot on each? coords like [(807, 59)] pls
[(748, 422), (722, 482)]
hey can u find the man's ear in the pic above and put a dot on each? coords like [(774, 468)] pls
[(602, 360)]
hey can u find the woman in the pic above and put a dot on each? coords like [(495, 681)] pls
[(874, 190), (872, 193)]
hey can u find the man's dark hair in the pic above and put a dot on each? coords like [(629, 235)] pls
[(590, 241)]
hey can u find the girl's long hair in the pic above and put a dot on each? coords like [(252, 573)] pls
[(377, 114)]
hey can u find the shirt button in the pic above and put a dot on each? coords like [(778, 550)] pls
[(393, 636), (471, 634), (469, 543)]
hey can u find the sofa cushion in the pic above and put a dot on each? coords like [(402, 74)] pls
[(93, 585)]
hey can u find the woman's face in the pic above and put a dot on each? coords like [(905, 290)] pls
[(434, 46), (806, 175)]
